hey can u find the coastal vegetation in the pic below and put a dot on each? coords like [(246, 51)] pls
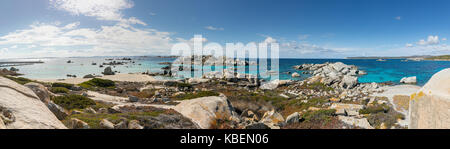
[(98, 83), (332, 98), (63, 85), (73, 101), (59, 90), (441, 57), (19, 80)]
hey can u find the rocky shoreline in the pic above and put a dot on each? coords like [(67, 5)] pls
[(332, 98)]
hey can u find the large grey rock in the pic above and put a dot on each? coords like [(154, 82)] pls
[(88, 76), (359, 122), (348, 82), (429, 107), (134, 124), (295, 75), (338, 66), (203, 111), (346, 109), (272, 119), (409, 80), (59, 111), (26, 107), (293, 118), (105, 124), (75, 123), (270, 85), (108, 71), (40, 91), (121, 125)]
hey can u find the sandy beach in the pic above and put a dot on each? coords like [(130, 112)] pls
[(117, 77)]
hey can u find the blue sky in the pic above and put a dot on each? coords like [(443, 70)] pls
[(303, 28)]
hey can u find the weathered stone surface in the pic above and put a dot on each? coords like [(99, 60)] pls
[(40, 91), (90, 110), (121, 125), (270, 85), (272, 119), (2, 124), (409, 80), (25, 106), (349, 82), (197, 80), (295, 75), (134, 124), (59, 111), (108, 71), (348, 109), (429, 107), (75, 123), (105, 124), (362, 123), (203, 111), (293, 118)]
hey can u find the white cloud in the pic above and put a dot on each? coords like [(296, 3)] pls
[(3, 52), (214, 28), (72, 25), (69, 40), (409, 45), (432, 40), (444, 39), (110, 10), (293, 49), (270, 40), (398, 18)]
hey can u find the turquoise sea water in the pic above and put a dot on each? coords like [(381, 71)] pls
[(390, 70)]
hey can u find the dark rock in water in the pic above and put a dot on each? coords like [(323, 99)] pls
[(89, 76), (108, 71), (5, 71), (69, 61), (165, 63), (257, 126), (13, 69), (71, 76), (101, 66), (166, 68)]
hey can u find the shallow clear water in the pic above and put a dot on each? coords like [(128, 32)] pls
[(390, 70)]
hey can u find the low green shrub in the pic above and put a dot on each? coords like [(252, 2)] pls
[(57, 90), (64, 85), (96, 82), (375, 109), (319, 115), (19, 80), (73, 101)]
